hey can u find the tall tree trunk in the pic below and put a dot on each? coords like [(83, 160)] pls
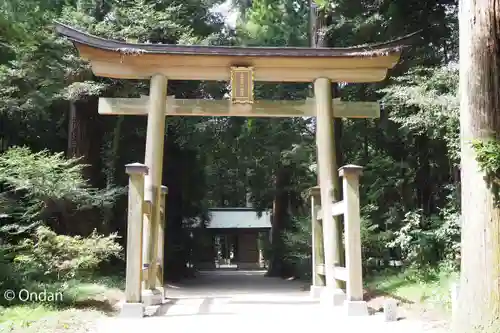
[(173, 171), (479, 298), (84, 142), (84, 137), (280, 219), (366, 143), (111, 153)]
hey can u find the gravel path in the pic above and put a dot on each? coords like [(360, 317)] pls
[(226, 301)]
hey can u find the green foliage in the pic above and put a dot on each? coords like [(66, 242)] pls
[(374, 245), (9, 277), (58, 257), (60, 265), (43, 318), (298, 249), (488, 157), (45, 175), (42, 183), (298, 240), (276, 23), (82, 302), (429, 287), (425, 101), (424, 242)]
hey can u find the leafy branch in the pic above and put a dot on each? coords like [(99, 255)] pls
[(488, 157)]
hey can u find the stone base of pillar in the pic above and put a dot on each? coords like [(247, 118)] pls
[(356, 308), (132, 310), (152, 297), (315, 291), (248, 265), (332, 296)]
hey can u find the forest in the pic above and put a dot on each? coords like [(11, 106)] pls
[(62, 177)]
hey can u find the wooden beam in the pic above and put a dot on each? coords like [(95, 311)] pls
[(344, 62), (320, 269), (318, 278), (260, 108), (338, 208), (120, 65), (113, 69), (341, 274)]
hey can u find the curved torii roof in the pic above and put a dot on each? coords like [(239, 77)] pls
[(116, 59)]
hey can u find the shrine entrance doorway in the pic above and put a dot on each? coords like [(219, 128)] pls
[(234, 238)]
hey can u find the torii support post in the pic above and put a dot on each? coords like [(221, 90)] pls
[(329, 187), (355, 306), (155, 135), (318, 260), (352, 273), (133, 306), (161, 240)]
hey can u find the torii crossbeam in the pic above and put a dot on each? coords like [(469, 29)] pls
[(260, 108)]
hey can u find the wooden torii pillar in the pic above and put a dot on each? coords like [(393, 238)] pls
[(153, 294), (321, 66)]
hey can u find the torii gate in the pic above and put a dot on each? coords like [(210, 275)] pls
[(241, 66)]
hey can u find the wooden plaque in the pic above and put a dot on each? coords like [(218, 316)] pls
[(242, 85)]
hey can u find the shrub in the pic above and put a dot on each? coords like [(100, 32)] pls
[(374, 249), (49, 256), (427, 241)]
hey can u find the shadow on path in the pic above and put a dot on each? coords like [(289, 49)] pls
[(230, 283)]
